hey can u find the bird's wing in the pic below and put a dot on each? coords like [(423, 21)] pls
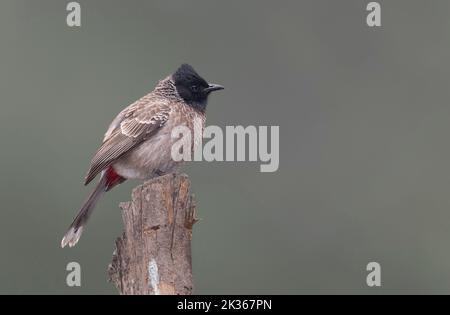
[(137, 123)]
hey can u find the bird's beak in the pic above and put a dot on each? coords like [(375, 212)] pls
[(213, 87)]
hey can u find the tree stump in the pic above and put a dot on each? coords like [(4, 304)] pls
[(153, 256)]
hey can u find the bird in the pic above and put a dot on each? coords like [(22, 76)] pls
[(137, 144)]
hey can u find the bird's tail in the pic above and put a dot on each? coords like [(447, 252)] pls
[(76, 228)]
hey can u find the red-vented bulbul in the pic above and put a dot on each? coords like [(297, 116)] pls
[(137, 144)]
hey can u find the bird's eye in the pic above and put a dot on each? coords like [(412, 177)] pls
[(194, 88)]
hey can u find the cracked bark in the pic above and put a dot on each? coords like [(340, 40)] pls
[(153, 255)]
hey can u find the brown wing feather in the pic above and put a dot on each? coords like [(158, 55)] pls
[(140, 122)]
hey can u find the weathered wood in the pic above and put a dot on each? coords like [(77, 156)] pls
[(153, 256)]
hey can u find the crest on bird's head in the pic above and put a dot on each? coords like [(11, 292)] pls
[(192, 88)]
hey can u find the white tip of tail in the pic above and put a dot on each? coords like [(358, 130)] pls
[(71, 238)]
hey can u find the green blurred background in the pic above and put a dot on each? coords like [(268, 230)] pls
[(364, 153)]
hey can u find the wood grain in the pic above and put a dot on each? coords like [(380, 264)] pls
[(153, 256)]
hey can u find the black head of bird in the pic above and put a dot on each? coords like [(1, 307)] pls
[(192, 88)]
